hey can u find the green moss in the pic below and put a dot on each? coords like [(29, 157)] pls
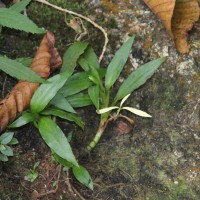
[(168, 93)]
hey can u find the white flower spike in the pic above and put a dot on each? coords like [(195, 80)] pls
[(124, 99), (137, 112), (105, 110)]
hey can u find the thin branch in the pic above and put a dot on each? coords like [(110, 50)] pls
[(72, 189), (82, 17), (52, 191), (4, 85), (78, 193)]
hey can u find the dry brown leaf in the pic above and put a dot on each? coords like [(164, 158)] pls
[(178, 17), (46, 60)]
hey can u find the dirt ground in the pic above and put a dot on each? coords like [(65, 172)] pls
[(160, 157)]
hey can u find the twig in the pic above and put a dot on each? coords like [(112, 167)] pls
[(82, 17), (117, 185), (4, 84), (71, 189), (55, 190), (78, 193), (58, 169), (69, 184)]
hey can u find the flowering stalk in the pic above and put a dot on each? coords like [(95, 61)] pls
[(105, 119)]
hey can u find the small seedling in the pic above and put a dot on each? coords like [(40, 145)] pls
[(6, 140), (32, 173)]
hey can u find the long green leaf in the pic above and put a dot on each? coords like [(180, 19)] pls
[(22, 120), (79, 100), (61, 102), (62, 161), (19, 71), (20, 6), (138, 78), (83, 176), (79, 82), (75, 84), (72, 55), (64, 115), (83, 63), (94, 76), (93, 92), (89, 58), (25, 61), (55, 139), (45, 93), (117, 63), (12, 19)]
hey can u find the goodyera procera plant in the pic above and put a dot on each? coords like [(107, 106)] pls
[(99, 92)]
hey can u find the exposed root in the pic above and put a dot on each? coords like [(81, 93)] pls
[(86, 19), (71, 189), (36, 195)]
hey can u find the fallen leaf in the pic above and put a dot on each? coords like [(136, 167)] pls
[(46, 60), (178, 17), (122, 127)]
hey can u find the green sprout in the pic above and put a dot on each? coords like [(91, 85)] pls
[(33, 173)]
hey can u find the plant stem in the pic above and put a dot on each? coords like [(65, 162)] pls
[(102, 126), (105, 95)]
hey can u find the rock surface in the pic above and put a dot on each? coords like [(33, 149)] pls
[(160, 159)]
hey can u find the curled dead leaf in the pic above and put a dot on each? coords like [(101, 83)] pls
[(122, 127), (47, 59), (178, 17)]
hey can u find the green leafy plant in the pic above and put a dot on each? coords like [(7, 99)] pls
[(100, 91), (60, 94), (12, 18), (18, 70), (48, 103), (6, 139), (33, 173)]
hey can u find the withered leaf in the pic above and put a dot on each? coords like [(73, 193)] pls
[(178, 17), (47, 59)]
